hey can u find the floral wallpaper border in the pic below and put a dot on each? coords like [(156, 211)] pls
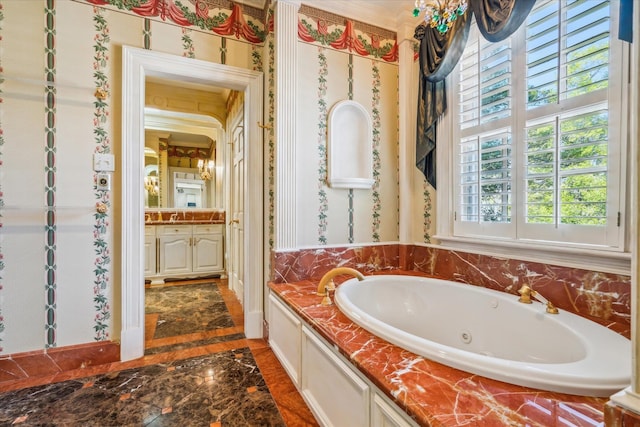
[(224, 18), (323, 208), (103, 146), (189, 50), (375, 112), (271, 153), (426, 215), (334, 31)]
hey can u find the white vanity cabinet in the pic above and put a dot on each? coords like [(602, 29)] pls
[(184, 251), (207, 247), (174, 249), (335, 391), (150, 254)]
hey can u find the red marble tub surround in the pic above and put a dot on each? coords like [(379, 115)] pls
[(293, 266), (201, 216), (602, 297), (431, 393)]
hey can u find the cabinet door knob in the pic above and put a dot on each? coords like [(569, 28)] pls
[(234, 221)]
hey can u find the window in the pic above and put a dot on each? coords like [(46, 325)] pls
[(537, 130)]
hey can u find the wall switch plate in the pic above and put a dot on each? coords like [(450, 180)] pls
[(103, 181), (103, 162)]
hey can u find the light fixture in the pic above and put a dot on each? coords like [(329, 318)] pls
[(440, 15), (205, 168), (151, 185)]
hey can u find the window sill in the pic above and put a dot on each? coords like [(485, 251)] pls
[(606, 261)]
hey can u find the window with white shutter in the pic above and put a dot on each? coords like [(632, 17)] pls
[(537, 124)]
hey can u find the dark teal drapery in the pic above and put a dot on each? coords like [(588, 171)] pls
[(439, 54)]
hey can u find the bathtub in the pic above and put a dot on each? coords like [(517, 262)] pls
[(490, 333)]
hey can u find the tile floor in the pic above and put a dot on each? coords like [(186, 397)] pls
[(198, 369)]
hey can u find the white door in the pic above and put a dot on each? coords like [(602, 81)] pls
[(236, 239)]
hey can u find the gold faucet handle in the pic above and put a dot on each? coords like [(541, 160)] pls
[(551, 309), (326, 300), (525, 294)]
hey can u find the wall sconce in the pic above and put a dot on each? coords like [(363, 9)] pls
[(206, 169), (151, 185)]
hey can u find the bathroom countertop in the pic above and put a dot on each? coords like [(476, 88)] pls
[(431, 393), (183, 222), (178, 217)]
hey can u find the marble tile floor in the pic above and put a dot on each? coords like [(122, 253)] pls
[(170, 385)]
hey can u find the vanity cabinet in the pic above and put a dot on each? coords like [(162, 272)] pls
[(150, 256), (185, 250), (337, 392), (207, 244)]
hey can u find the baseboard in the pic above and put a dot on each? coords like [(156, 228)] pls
[(61, 359)]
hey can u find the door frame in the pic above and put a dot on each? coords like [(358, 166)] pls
[(136, 65)]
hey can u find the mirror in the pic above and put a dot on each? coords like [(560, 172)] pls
[(184, 153), (179, 170), (151, 178)]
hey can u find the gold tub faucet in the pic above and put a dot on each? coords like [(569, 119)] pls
[(526, 293), (326, 283)]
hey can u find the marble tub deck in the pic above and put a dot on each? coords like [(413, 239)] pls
[(203, 373), (432, 393)]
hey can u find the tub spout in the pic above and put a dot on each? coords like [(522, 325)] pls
[(326, 283), (526, 293)]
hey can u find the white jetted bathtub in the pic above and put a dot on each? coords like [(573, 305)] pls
[(490, 333)]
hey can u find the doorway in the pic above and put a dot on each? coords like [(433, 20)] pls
[(137, 64)]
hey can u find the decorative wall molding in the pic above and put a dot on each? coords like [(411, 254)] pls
[(286, 67), (407, 108)]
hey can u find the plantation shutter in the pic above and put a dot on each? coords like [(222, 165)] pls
[(540, 166)]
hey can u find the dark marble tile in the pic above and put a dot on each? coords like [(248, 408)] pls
[(225, 387), (215, 375), (187, 309)]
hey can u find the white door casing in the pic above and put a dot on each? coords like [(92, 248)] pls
[(136, 65)]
